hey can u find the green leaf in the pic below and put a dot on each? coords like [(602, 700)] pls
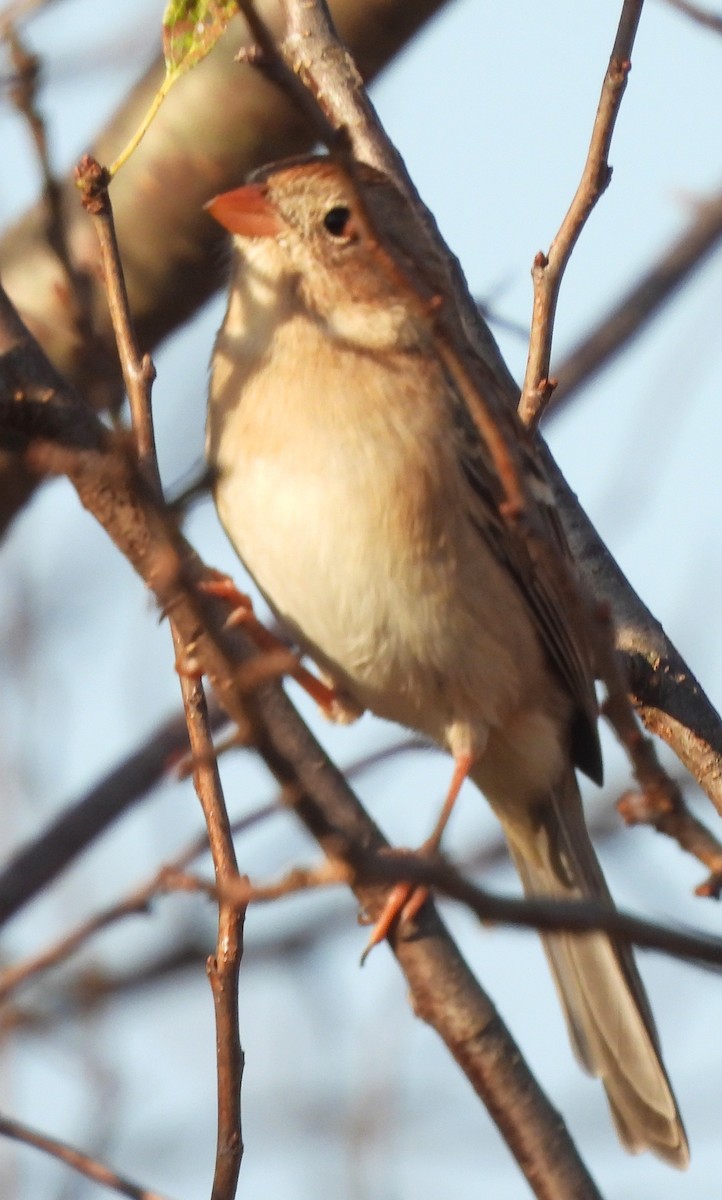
[(191, 29)]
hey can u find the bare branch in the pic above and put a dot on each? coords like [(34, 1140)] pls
[(137, 902), (666, 694), (224, 967), (122, 782), (549, 268), (138, 371), (77, 1160), (631, 314), (670, 815), (13, 977), (82, 821), (75, 284), (660, 804), (329, 873), (552, 916)]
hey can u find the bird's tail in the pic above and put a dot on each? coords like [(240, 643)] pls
[(608, 1016)]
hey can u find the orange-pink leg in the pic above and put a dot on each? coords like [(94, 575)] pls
[(242, 613), (405, 899)]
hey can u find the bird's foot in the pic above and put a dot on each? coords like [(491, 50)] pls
[(406, 899), (335, 704), (403, 903)]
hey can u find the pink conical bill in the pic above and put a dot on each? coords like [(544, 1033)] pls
[(246, 211)]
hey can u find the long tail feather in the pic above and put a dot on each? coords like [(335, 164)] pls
[(608, 1016)]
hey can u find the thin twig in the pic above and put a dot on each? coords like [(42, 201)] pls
[(87, 990), (166, 878), (668, 814), (329, 873), (662, 794), (83, 820), (633, 311), (137, 902), (13, 977), (549, 268), (541, 914), (224, 966), (138, 370), (23, 93), (77, 1160), (533, 912)]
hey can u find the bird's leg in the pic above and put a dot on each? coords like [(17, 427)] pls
[(332, 701), (405, 899)]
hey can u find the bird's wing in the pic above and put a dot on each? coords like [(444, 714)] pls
[(533, 548)]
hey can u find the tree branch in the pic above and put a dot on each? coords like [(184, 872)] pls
[(549, 268), (444, 992), (224, 967), (632, 313), (533, 912), (76, 1159), (668, 697), (136, 903)]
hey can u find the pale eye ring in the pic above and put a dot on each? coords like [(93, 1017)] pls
[(336, 221)]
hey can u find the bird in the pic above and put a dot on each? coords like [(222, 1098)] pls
[(359, 493)]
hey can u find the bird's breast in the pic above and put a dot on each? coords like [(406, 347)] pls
[(338, 483), (313, 529)]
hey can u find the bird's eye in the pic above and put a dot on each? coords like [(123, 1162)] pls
[(336, 220)]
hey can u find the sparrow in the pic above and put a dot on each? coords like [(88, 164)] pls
[(361, 497)]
